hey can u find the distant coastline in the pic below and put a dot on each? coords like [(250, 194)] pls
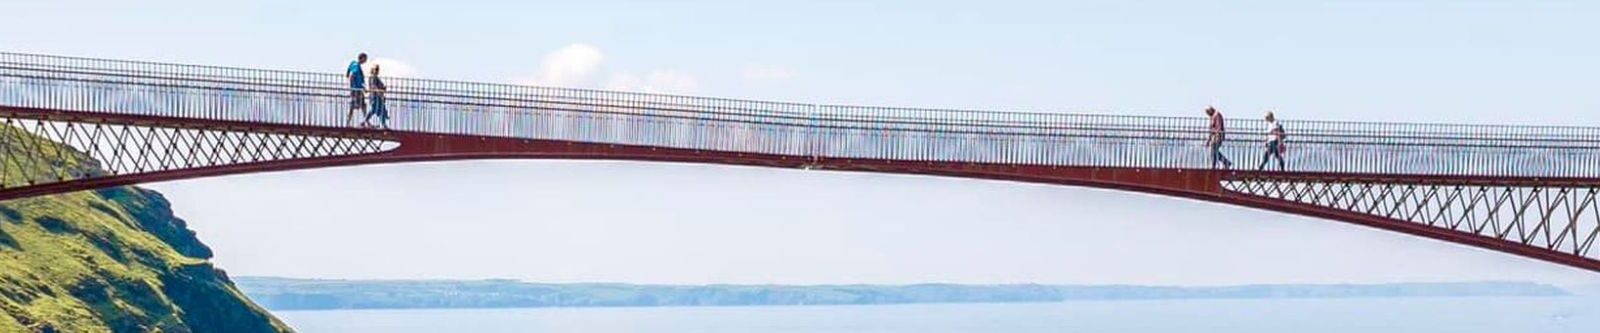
[(315, 294)]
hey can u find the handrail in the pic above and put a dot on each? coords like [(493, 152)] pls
[(768, 120), (490, 88), (175, 91)]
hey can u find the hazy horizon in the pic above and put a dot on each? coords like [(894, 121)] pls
[(491, 279)]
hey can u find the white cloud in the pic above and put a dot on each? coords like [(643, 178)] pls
[(577, 65), (392, 68), (569, 66), (661, 81), (766, 73)]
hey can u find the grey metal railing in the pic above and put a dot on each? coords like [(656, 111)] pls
[(800, 129)]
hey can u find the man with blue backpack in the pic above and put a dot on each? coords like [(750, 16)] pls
[(358, 87)]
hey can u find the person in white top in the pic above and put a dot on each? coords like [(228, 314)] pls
[(1274, 143)]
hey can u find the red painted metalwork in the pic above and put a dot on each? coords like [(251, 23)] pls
[(1195, 184), (150, 122)]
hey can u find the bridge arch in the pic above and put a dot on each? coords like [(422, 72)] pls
[(1524, 190)]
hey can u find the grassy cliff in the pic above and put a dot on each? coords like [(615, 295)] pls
[(111, 260)]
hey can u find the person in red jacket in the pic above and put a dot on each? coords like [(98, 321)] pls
[(1214, 140)]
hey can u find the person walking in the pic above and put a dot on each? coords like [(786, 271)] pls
[(379, 108), (1275, 136), (358, 81), (1215, 138)]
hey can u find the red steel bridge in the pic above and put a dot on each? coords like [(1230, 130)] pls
[(1524, 190)]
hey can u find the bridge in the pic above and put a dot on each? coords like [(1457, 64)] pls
[(1524, 190)]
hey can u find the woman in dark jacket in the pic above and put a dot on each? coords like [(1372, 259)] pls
[(377, 90)]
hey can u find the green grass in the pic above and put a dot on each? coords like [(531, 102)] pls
[(111, 260)]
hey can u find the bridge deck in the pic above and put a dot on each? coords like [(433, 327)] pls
[(1525, 190), (319, 100)]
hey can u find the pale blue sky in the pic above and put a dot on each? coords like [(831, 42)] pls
[(1455, 61)]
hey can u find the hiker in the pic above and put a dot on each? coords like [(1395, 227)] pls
[(358, 81), (1274, 143), (1214, 140), (376, 91)]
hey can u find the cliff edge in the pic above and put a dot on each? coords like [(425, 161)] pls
[(109, 260)]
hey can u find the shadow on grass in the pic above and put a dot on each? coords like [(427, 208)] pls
[(7, 242), (10, 215)]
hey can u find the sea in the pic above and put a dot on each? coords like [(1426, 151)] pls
[(1408, 315)]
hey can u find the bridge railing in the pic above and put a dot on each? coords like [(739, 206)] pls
[(798, 129)]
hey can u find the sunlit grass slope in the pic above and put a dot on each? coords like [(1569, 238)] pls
[(111, 260)]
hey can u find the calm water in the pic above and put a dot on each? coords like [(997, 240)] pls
[(1553, 314)]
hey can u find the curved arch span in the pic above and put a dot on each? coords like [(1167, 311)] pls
[(1205, 185), (1522, 216)]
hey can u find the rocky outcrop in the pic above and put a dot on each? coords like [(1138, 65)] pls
[(111, 260)]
